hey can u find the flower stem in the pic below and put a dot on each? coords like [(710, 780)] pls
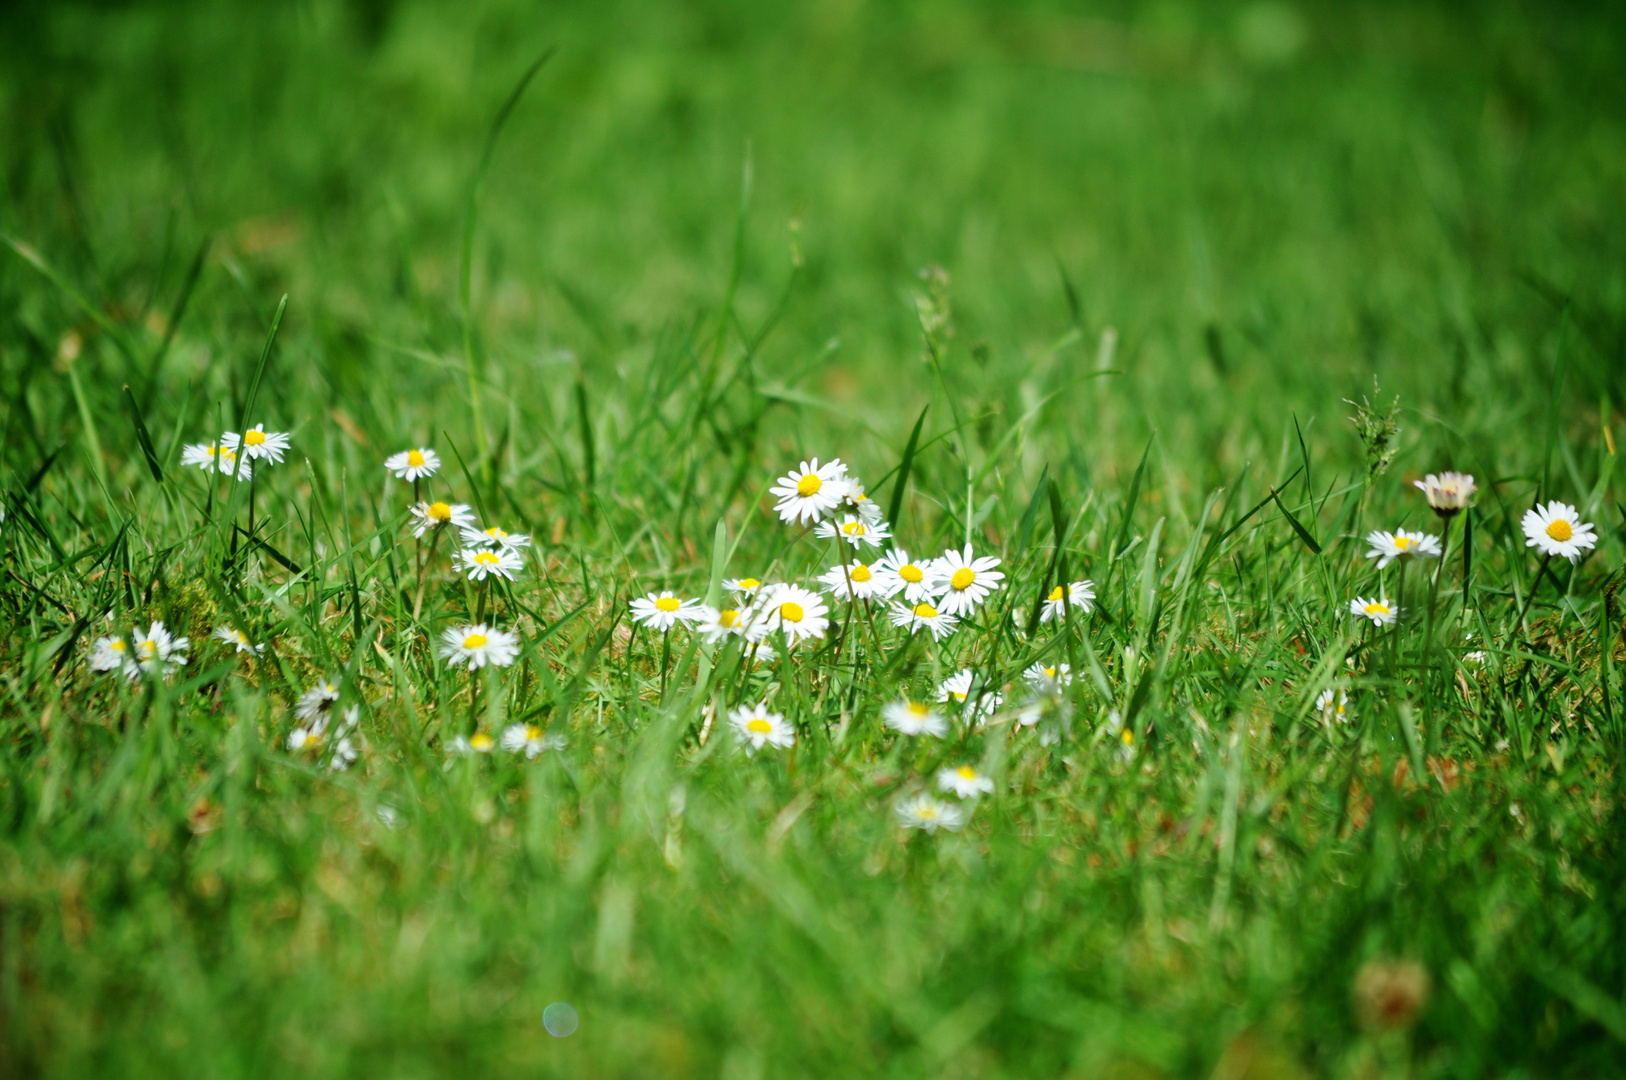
[(1428, 637), (423, 574)]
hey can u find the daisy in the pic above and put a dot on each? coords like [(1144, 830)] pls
[(957, 688), (1333, 705), (209, 457), (483, 563), (895, 573), (496, 536), (434, 515), (258, 444), (745, 586), (661, 612), (800, 613), (108, 654), (1379, 611), (237, 639), (940, 623), (811, 492), (530, 739), (965, 581), (757, 727), (307, 736), (929, 814), (413, 464), (1048, 677), (155, 651), (317, 703), (1124, 736), (854, 581), (718, 623), (1080, 594), (866, 506), (479, 645), (914, 718), (1558, 530), (1386, 547), (1447, 493), (965, 781), (478, 743), (855, 530)]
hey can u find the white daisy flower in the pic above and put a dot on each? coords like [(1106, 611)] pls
[(811, 492), (715, 624), (1048, 678), (929, 813), (237, 640), (957, 688), (1448, 492), (109, 653), (212, 458), (317, 703), (307, 737), (965, 781), (1558, 530), (155, 651), (914, 718), (496, 536), (1123, 736), (745, 586), (664, 610), (478, 743), (483, 563), (800, 613), (258, 444), (854, 581), (479, 645), (855, 530), (1386, 547), (1334, 705), (895, 572), (757, 727), (1379, 611), (862, 503), (1080, 594), (433, 515), (413, 464), (940, 623), (530, 739), (965, 581)]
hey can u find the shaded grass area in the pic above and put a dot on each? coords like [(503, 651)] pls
[(1164, 242)]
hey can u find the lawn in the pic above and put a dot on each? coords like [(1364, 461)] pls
[(1014, 405)]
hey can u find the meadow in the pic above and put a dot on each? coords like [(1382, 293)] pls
[(826, 539)]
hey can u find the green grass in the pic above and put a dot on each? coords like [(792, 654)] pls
[(1175, 239)]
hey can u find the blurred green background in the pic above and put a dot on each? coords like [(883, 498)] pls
[(1268, 203)]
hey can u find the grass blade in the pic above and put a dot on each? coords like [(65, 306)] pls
[(898, 485), (142, 437)]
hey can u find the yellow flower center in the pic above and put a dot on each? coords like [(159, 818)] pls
[(474, 641), (148, 650), (918, 709), (911, 573), (927, 813), (1560, 530), (254, 438), (481, 741), (809, 484), (1050, 673), (727, 617), (791, 611), (859, 572), (860, 497), (853, 528), (668, 603), (495, 532), (750, 583), (1403, 542), (117, 645), (486, 558), (759, 725), (311, 739), (532, 733), (1128, 737), (963, 577), (958, 695), (966, 772), (440, 511), (1055, 594), (925, 611), (1377, 607), (414, 458)]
